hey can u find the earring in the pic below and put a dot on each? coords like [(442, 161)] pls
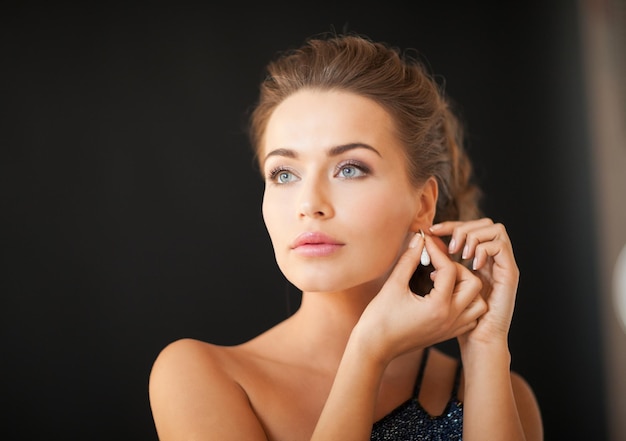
[(425, 258)]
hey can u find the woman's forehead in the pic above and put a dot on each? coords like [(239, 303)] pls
[(325, 119)]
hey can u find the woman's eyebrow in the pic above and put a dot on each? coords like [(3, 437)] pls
[(338, 150), (333, 151), (287, 153)]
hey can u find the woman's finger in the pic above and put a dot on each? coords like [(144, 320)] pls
[(408, 261), (446, 272), (493, 249), (467, 287), (459, 230), (472, 312)]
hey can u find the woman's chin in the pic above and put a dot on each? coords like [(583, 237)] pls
[(329, 286), (318, 286)]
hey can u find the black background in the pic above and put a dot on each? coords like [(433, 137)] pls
[(130, 204)]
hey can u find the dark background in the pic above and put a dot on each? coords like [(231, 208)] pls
[(130, 205)]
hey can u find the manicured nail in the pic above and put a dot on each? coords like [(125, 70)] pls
[(451, 245), (465, 252), (434, 227), (415, 241)]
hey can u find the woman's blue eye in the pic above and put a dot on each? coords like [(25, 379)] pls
[(284, 177), (351, 171), (348, 172)]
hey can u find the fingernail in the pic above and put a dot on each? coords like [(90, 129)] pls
[(465, 252), (452, 245), (415, 241), (434, 227)]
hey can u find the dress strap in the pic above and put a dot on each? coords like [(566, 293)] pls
[(457, 380), (420, 373)]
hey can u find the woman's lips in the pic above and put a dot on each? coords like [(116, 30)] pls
[(315, 244)]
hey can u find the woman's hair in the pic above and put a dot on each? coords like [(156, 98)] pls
[(426, 125)]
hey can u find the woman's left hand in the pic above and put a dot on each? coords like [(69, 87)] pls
[(488, 245)]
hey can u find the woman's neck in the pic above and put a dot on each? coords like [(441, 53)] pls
[(324, 321)]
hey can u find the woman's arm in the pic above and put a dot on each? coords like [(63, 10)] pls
[(498, 404)]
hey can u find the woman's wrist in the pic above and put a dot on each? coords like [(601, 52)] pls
[(367, 346), (479, 353)]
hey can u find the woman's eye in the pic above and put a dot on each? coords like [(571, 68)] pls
[(351, 171), (282, 176)]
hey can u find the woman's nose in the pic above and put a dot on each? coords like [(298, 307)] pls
[(315, 201)]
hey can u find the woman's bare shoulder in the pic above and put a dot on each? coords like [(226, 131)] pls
[(194, 390), (188, 352), (219, 360), (202, 364)]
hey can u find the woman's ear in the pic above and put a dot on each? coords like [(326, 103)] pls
[(426, 205)]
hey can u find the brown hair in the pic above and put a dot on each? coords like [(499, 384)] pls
[(425, 123)]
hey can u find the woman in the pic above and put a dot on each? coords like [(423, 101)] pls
[(362, 155)]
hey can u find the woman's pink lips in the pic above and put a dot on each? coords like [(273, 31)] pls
[(314, 244)]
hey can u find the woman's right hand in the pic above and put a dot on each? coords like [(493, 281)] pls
[(398, 321)]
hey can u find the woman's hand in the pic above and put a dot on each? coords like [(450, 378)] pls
[(484, 349), (397, 320), (488, 245)]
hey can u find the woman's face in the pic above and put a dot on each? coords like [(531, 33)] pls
[(338, 204)]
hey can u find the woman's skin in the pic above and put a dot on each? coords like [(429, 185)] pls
[(343, 216)]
